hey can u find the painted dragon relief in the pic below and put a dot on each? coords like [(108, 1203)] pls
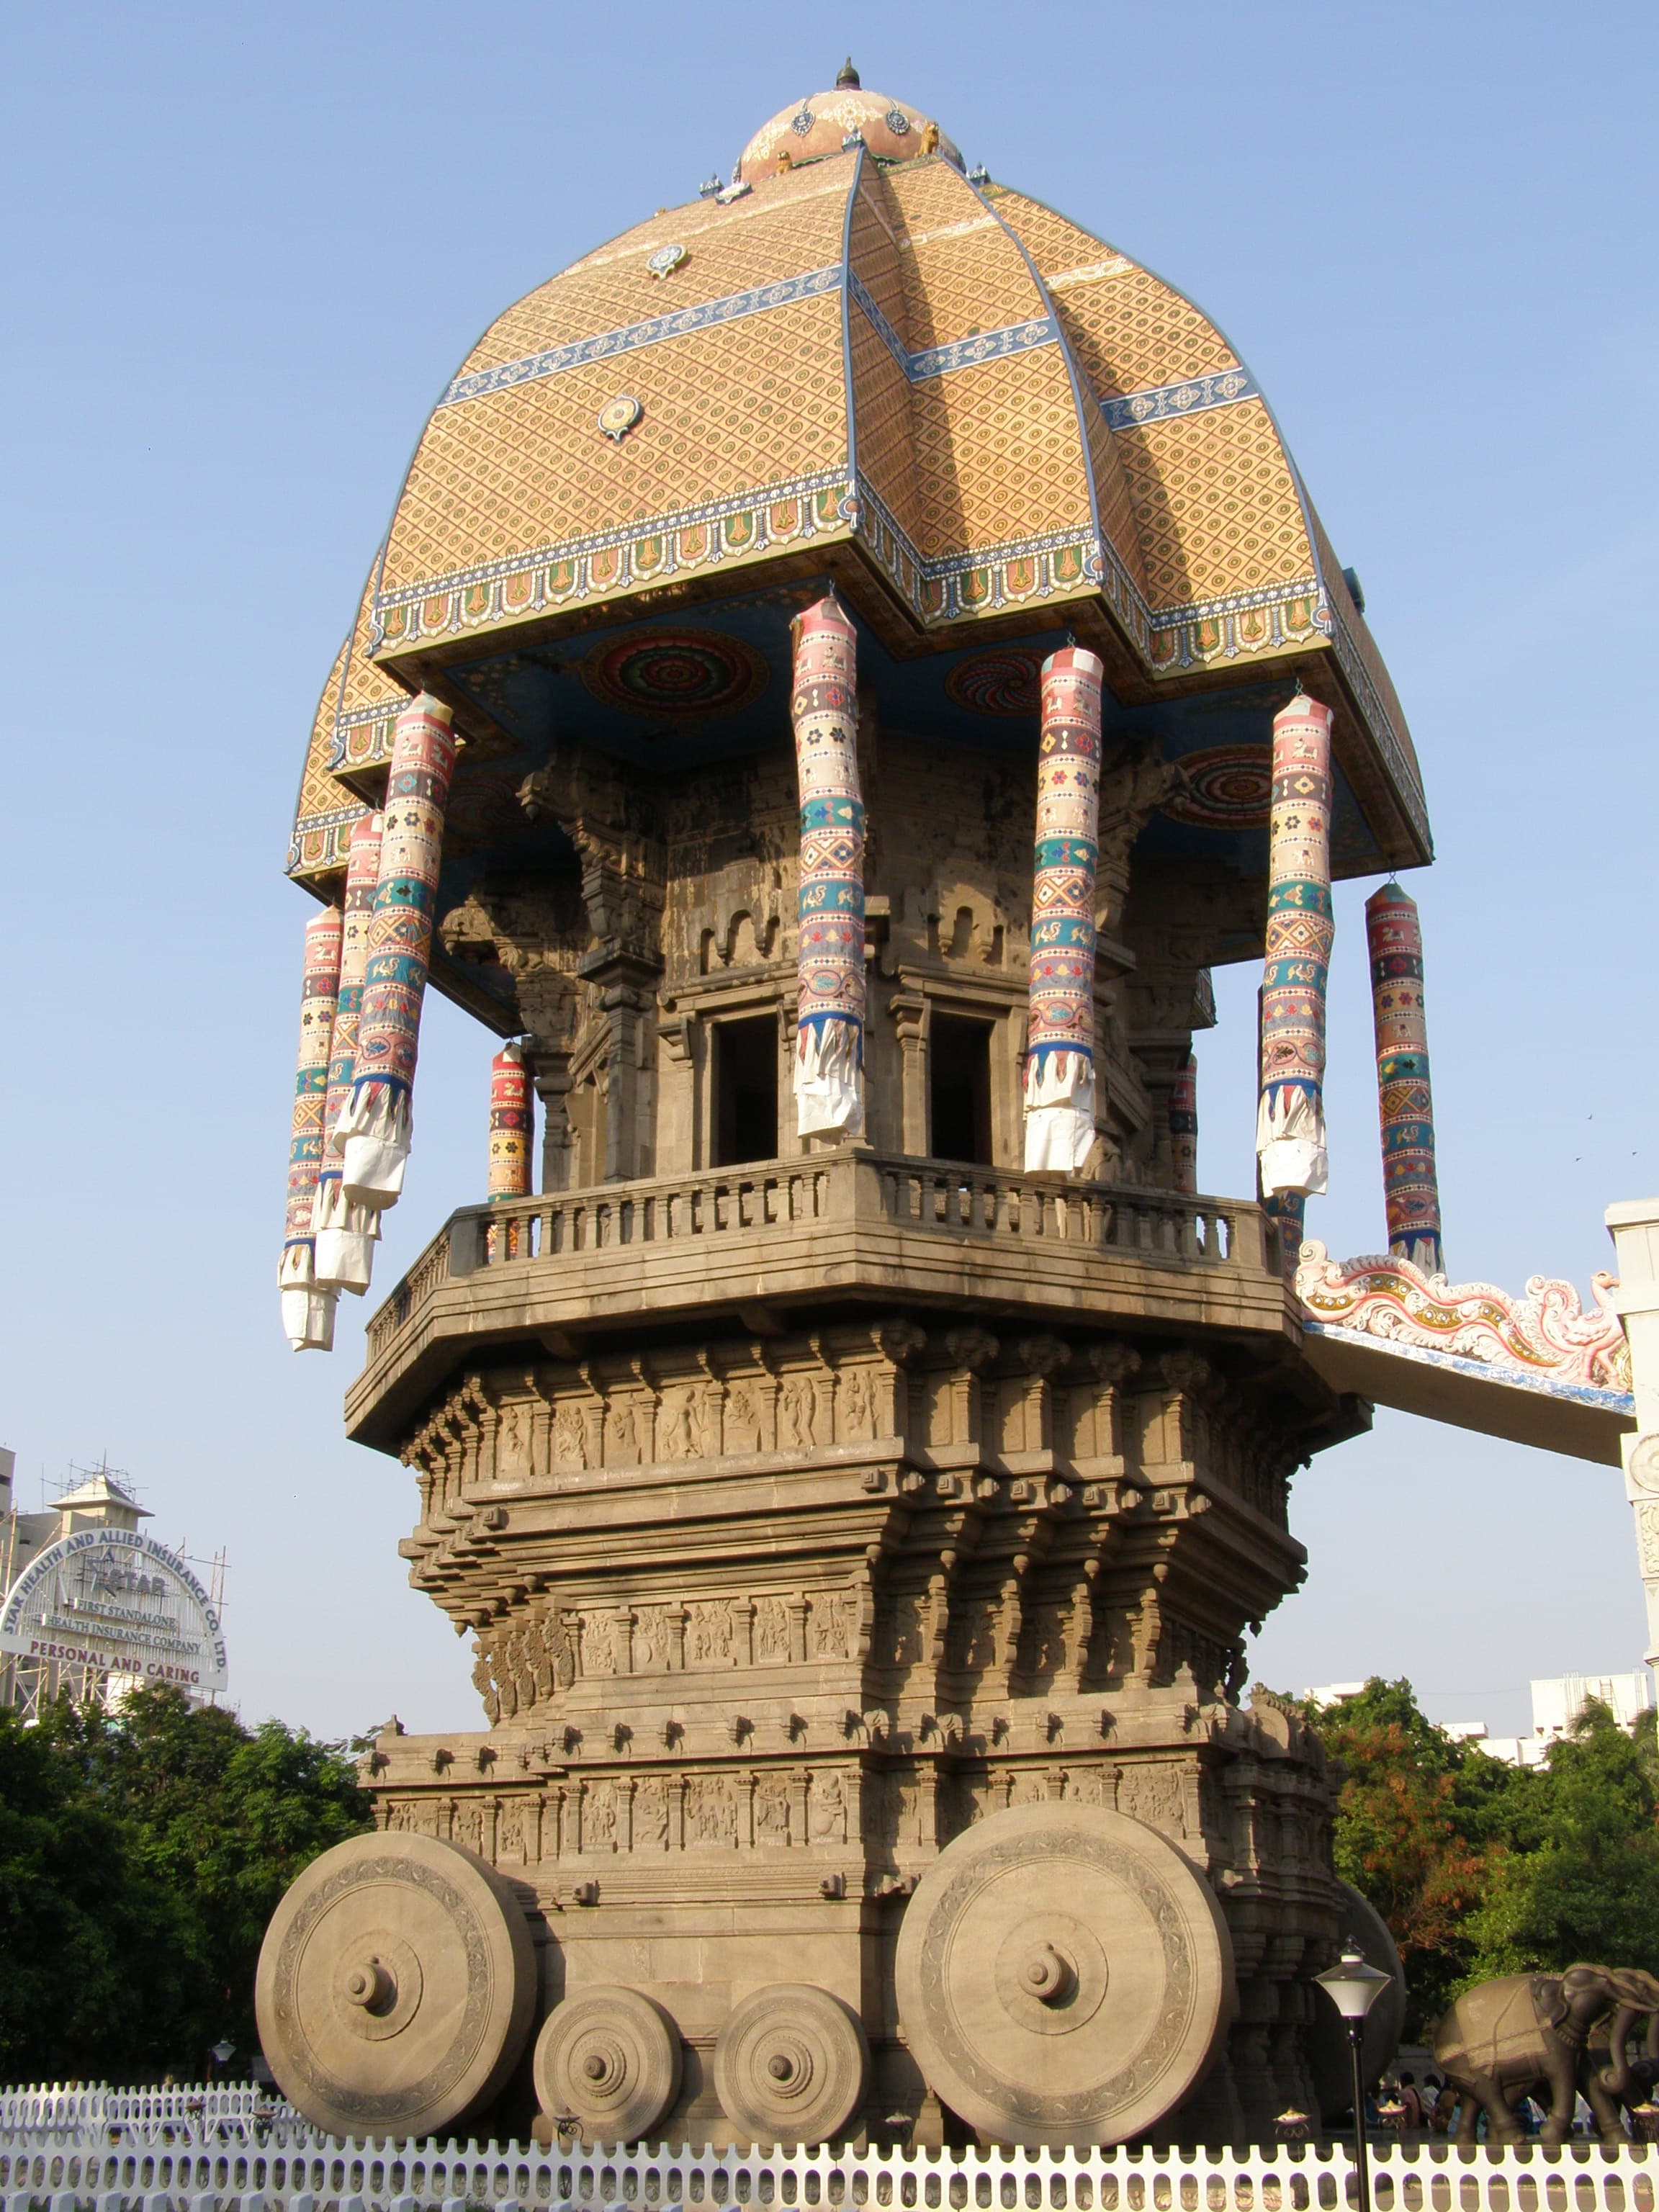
[(1546, 1335)]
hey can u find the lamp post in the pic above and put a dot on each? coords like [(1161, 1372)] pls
[(1353, 1988), (222, 2053)]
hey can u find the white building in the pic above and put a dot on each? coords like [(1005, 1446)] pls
[(1556, 1704)]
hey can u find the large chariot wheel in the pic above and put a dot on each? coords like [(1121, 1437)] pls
[(609, 2057), (1064, 1976), (792, 2064), (1330, 2063), (396, 1987)]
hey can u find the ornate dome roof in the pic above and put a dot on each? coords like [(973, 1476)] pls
[(822, 124), (976, 415)]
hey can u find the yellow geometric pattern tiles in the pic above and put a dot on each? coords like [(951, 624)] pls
[(976, 454), (787, 224), (999, 407), (1219, 512), (725, 410), (1132, 332)]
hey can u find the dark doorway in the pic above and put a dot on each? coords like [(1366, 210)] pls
[(745, 1091), (959, 1086)]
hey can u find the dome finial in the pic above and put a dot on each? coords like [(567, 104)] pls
[(849, 79)]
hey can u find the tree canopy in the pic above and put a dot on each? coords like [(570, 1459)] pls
[(1480, 1868), (142, 1853)]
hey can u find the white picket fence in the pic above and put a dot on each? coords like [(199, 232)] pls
[(57, 2104), (239, 2163)]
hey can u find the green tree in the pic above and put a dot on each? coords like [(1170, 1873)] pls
[(141, 1855), (1403, 1838), (1480, 1868), (1588, 1888)]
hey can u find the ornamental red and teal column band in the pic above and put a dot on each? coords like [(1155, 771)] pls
[(1183, 1130), (378, 1117), (830, 1017), (1290, 1135), (309, 1310), (1410, 1189), (510, 1112), (346, 1234), (1059, 1037)]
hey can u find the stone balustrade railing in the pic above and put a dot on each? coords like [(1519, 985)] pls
[(992, 1207)]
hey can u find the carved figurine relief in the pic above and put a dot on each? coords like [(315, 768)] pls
[(797, 1414)]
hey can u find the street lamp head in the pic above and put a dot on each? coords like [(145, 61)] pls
[(221, 2051), (1352, 1986)]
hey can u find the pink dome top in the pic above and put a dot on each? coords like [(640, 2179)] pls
[(821, 123)]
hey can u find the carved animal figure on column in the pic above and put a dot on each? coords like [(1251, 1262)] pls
[(1505, 2037)]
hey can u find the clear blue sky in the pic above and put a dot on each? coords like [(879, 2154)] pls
[(244, 247)]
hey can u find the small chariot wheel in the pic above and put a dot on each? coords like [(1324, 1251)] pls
[(609, 2057), (396, 1986), (792, 2064), (1064, 1975)]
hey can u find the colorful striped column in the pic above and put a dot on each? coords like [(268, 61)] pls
[(830, 1019), (1059, 1037), (1405, 1101), (510, 1129), (379, 1116), (510, 1114), (1183, 1129), (307, 1309), (1290, 1135), (346, 1234)]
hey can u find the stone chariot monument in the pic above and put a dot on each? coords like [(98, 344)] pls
[(848, 660)]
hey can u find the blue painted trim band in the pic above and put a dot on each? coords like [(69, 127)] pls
[(961, 353), (555, 360), (1167, 402)]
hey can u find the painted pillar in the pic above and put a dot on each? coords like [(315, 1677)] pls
[(1405, 1100), (830, 1020), (1183, 1129), (308, 1311), (346, 1234), (378, 1120), (1290, 1135), (509, 1125), (1059, 1038)]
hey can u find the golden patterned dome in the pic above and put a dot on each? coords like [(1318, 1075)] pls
[(976, 416), (824, 121)]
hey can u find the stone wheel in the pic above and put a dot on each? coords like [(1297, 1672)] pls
[(792, 2064), (396, 1986), (1329, 2064), (610, 2057), (1064, 1975)]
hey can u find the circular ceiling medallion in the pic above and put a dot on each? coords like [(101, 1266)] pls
[(676, 672), (1228, 787), (666, 259), (1008, 682), (618, 417)]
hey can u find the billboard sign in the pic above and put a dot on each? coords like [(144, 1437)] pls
[(113, 1599)]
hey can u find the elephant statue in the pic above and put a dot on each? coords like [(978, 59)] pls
[(1505, 2038), (1628, 2082)]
